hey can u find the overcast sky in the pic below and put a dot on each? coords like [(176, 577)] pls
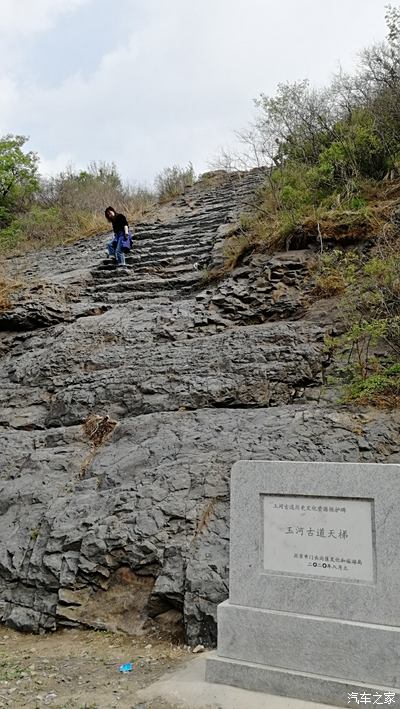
[(151, 83)]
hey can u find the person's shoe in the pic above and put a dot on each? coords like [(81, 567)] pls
[(122, 269)]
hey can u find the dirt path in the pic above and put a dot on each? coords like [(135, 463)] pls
[(74, 669)]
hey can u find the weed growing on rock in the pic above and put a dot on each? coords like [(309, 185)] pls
[(205, 517), (98, 429), (7, 287), (381, 389)]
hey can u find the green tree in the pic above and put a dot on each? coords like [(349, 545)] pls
[(18, 176)]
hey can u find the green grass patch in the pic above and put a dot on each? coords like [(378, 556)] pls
[(381, 388)]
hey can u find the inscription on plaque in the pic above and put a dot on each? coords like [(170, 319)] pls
[(319, 536)]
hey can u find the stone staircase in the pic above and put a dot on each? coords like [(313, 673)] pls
[(170, 258)]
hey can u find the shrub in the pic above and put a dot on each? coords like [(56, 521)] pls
[(71, 205), (381, 388), (326, 147), (332, 272), (234, 249), (172, 181), (37, 225)]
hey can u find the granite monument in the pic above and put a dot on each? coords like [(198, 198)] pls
[(313, 609)]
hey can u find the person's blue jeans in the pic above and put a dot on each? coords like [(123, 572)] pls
[(115, 249)]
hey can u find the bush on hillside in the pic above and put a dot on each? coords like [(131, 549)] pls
[(325, 148), (333, 167), (172, 181), (71, 205)]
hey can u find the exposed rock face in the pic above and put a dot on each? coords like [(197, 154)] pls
[(106, 531), (264, 289)]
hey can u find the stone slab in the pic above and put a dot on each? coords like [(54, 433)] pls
[(330, 647), (304, 686), (372, 599), (186, 688)]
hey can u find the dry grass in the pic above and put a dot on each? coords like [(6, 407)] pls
[(277, 231), (205, 517), (380, 401), (273, 228), (235, 247), (91, 223), (173, 181), (234, 250), (8, 286), (42, 229), (98, 429), (87, 224), (329, 285), (339, 226), (212, 179)]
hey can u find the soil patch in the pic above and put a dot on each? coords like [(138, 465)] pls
[(77, 669)]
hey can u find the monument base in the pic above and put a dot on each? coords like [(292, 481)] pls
[(310, 657), (287, 683)]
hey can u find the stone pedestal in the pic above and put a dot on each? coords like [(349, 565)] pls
[(314, 607)]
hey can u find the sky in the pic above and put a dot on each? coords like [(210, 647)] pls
[(152, 83)]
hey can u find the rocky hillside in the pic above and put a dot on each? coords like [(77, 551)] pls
[(125, 399)]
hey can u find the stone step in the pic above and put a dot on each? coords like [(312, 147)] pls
[(202, 231), (105, 270), (172, 250), (165, 255), (122, 282), (202, 238), (149, 265), (167, 261), (194, 215), (137, 258), (110, 298), (179, 268), (196, 224)]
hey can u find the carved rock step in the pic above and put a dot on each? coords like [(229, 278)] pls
[(136, 258), (121, 283), (199, 228), (180, 228), (204, 238), (253, 366), (105, 270), (141, 272), (171, 250), (114, 298)]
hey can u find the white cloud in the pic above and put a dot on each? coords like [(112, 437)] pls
[(9, 103), (56, 164), (26, 17), (180, 81)]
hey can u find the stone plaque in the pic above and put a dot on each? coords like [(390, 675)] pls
[(319, 536)]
